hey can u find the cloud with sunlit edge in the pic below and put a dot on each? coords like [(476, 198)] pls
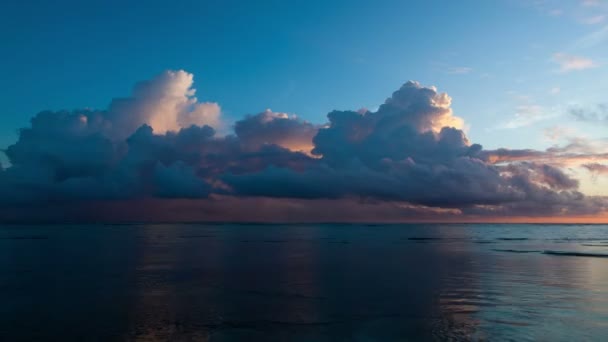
[(158, 148)]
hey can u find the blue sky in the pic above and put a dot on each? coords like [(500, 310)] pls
[(515, 69)]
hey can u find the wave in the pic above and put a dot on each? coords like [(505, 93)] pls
[(553, 252), (516, 250), (581, 239), (578, 254)]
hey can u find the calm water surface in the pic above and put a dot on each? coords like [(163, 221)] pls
[(303, 282)]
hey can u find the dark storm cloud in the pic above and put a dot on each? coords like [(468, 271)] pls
[(160, 143)]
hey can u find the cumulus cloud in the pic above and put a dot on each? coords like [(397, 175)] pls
[(166, 103), (411, 150), (276, 128), (108, 153), (410, 156)]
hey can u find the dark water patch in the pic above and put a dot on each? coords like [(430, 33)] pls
[(577, 254), (483, 241), (594, 245), (424, 238), (512, 239)]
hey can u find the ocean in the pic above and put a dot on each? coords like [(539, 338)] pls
[(306, 282)]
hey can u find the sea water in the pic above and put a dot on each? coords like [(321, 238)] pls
[(307, 282)]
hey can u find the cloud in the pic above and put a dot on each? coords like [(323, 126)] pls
[(596, 114), (576, 153), (276, 128), (569, 63), (527, 115), (179, 181), (108, 153), (555, 12), (166, 103), (597, 169), (592, 39), (590, 3), (594, 20), (398, 153), (459, 70), (408, 158), (555, 133)]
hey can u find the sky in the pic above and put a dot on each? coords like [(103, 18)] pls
[(99, 99)]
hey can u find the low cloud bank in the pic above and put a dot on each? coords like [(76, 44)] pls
[(411, 155)]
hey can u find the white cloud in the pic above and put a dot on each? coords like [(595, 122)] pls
[(167, 103), (526, 115), (569, 63)]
